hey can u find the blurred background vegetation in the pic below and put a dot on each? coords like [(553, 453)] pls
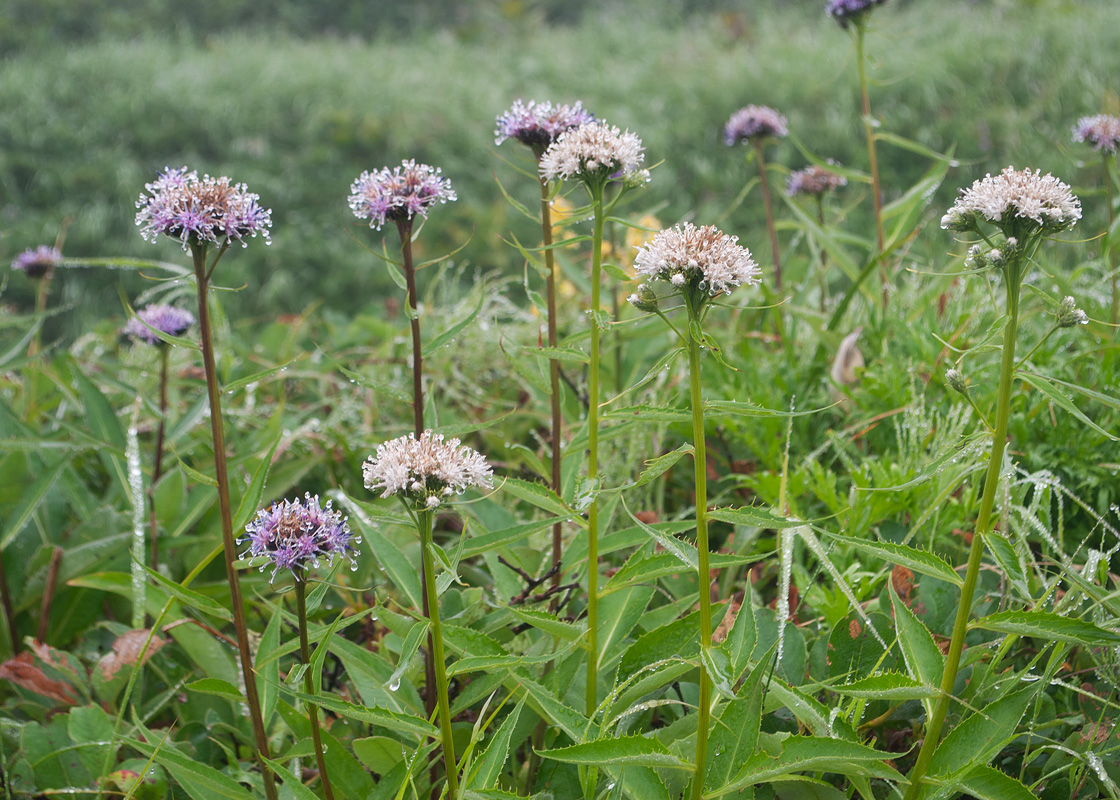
[(297, 99)]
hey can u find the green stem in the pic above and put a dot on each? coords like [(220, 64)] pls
[(157, 468), (553, 372), (703, 572), (983, 526), (593, 458), (438, 659), (876, 194), (765, 182), (309, 684), (228, 544), (823, 274), (1109, 258)]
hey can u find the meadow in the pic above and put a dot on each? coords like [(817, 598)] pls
[(682, 527)]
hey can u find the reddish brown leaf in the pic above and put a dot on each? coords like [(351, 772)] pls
[(126, 649), (24, 672)]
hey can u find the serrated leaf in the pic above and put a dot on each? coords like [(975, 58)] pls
[(216, 687), (625, 751), (976, 741), (1048, 625), (919, 651), (189, 597), (647, 413), (290, 782), (987, 783), (486, 542), (1050, 390), (684, 551), (811, 754), (489, 767), (734, 736), (918, 560), (536, 494), (754, 517), (656, 467), (380, 717), (200, 781), (549, 623), (886, 686)]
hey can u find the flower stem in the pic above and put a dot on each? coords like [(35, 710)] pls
[(593, 458), (157, 468), (436, 635), (765, 181), (1109, 254), (983, 526), (309, 684), (823, 273), (553, 371), (228, 546), (876, 194), (699, 458)]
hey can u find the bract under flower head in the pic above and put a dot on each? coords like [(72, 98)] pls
[(846, 12), (705, 258), (1101, 131), (200, 211), (814, 181), (1018, 203), (38, 261), (164, 318), (399, 194), (296, 534), (595, 151), (539, 124), (425, 470), (754, 122)]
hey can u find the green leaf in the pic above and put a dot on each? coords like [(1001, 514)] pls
[(623, 751), (754, 517), (886, 686), (741, 640), (449, 334), (218, 688), (987, 783), (549, 624), (918, 560), (105, 426), (811, 754), (290, 782), (559, 354), (647, 413), (189, 597), (257, 377), (536, 494), (1047, 388), (1048, 625), (489, 768), (417, 634), (684, 551), (977, 740), (200, 781), (679, 638), (380, 754), (33, 497), (734, 736), (400, 570), (391, 720), (920, 653), (267, 666), (487, 542), (657, 467), (251, 499)]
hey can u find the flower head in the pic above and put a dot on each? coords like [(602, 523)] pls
[(200, 211), (399, 194), (814, 181), (956, 380), (594, 151), (539, 124), (295, 534), (1101, 131), (754, 122), (37, 262), (425, 470), (705, 258), (1069, 315), (846, 12), (164, 318), (1016, 203)]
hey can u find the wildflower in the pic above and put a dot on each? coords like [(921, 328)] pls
[(399, 194), (643, 299), (846, 12), (164, 318), (37, 262), (754, 122), (425, 470), (1101, 131), (956, 380), (814, 180), (594, 151), (1015, 201), (539, 124), (294, 534), (194, 211), (1069, 315), (705, 258)]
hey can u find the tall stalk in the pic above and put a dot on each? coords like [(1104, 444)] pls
[(553, 371), (436, 635), (309, 684), (157, 467), (983, 526), (202, 276), (593, 454), (869, 134)]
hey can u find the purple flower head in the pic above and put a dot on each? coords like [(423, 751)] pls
[(207, 211), (754, 122), (164, 318), (846, 12), (538, 125), (295, 534), (37, 262), (399, 194), (1101, 131), (814, 181)]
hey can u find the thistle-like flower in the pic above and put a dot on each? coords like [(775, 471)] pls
[(1018, 203), (37, 262), (702, 258), (427, 470), (296, 534), (164, 318), (814, 181), (1069, 315), (1101, 131), (595, 151), (754, 122), (956, 380), (200, 211), (399, 194), (538, 125), (845, 12)]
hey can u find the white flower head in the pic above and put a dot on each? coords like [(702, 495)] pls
[(707, 257), (595, 151), (423, 469), (1021, 201)]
